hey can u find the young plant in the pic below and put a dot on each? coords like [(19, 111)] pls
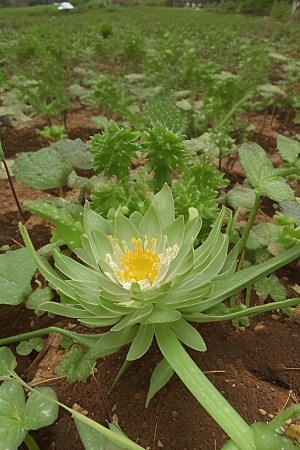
[(143, 278), (40, 410), (55, 132)]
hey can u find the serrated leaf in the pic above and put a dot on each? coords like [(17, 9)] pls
[(40, 411), (15, 289), (255, 163), (76, 364), (44, 169), (240, 196), (276, 189), (288, 148), (74, 152), (38, 297)]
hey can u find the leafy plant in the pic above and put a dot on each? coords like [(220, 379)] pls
[(113, 150), (55, 132), (165, 152), (40, 410), (143, 278)]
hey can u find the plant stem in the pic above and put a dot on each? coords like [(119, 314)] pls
[(233, 110), (2, 158), (76, 337), (248, 294), (242, 243), (30, 442)]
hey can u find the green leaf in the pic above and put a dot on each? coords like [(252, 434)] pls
[(38, 297), (288, 148), (164, 206), (276, 189), (93, 439), (44, 169), (188, 335), (12, 407), (265, 438), (40, 411), (255, 163), (8, 362), (15, 289), (76, 364), (141, 342), (204, 391), (270, 286), (162, 374), (240, 196), (25, 347), (112, 341), (150, 226), (74, 152)]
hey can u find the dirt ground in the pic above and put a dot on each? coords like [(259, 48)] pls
[(257, 368)]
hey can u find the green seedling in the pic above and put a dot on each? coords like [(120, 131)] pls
[(40, 410), (55, 132)]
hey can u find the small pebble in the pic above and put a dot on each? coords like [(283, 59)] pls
[(52, 446), (144, 425), (262, 412), (233, 385), (160, 444), (271, 416), (275, 317), (175, 414), (32, 324), (114, 407), (242, 328), (71, 326), (259, 326), (139, 395)]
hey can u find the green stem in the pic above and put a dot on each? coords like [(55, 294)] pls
[(248, 294), (200, 317), (86, 340), (30, 442), (233, 110), (118, 439), (242, 243)]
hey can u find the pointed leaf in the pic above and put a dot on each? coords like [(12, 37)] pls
[(164, 206), (255, 163), (162, 374), (188, 335), (141, 342), (289, 149)]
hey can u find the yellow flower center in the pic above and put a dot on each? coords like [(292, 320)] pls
[(140, 263)]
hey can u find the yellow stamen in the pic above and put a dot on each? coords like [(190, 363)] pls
[(139, 264)]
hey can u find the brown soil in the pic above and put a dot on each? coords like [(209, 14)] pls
[(255, 368)]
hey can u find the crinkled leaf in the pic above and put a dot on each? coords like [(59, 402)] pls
[(255, 163), (74, 152), (76, 364), (44, 169), (276, 189), (288, 148), (40, 411), (38, 297), (15, 289), (240, 196)]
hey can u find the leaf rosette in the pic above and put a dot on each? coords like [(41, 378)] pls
[(142, 277)]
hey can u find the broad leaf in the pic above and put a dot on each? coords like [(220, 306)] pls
[(93, 439), (44, 169), (74, 152), (255, 163), (40, 411), (12, 407), (288, 148), (16, 289)]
